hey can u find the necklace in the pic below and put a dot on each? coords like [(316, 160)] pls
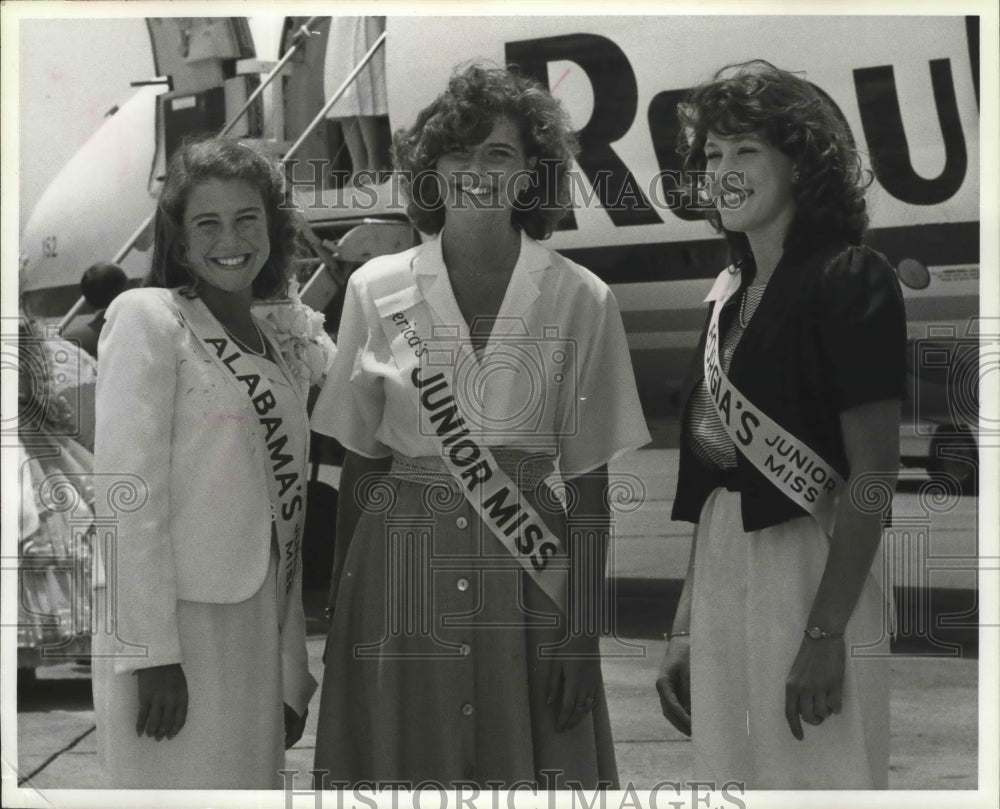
[(262, 351), (744, 320)]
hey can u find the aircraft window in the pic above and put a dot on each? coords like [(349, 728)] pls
[(913, 274)]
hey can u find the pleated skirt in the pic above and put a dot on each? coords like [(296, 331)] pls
[(434, 670), (751, 600)]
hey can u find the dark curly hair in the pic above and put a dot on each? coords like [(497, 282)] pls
[(223, 159), (465, 114), (795, 117)]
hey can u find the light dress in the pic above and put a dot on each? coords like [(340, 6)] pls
[(348, 41), (232, 658), (433, 671)]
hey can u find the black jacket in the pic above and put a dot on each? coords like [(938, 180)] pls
[(829, 334)]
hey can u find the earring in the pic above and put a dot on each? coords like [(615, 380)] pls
[(795, 176)]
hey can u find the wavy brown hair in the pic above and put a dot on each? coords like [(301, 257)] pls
[(464, 114), (798, 119), (223, 159)]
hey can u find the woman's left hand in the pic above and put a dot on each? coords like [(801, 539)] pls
[(815, 684), (295, 725), (574, 681)]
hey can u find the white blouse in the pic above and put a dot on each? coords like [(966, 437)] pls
[(555, 375)]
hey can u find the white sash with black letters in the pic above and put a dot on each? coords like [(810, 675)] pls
[(406, 321), (791, 465), (285, 472)]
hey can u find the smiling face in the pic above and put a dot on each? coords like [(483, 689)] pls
[(752, 186), (225, 235), (488, 175)]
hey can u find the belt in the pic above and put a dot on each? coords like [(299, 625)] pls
[(526, 469)]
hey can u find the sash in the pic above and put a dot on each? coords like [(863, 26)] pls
[(792, 466), (285, 473), (406, 319)]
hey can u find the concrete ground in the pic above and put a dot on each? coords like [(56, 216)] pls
[(934, 725)]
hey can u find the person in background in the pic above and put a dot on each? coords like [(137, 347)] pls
[(101, 283), (793, 397), (55, 475), (363, 109)]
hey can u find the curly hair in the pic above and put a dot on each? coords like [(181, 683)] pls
[(798, 119), (223, 159), (465, 114)]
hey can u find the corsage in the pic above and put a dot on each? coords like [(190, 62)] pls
[(303, 342)]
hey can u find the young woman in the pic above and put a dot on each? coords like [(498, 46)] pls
[(200, 681), (789, 452), (470, 370)]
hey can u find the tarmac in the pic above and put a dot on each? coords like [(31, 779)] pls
[(935, 701), (934, 709)]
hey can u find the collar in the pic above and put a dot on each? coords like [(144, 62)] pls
[(725, 283), (522, 289), (204, 322)]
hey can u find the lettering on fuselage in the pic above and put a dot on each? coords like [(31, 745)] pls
[(615, 109)]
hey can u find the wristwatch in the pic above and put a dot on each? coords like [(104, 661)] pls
[(815, 633)]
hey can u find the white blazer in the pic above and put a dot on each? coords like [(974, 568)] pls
[(170, 423)]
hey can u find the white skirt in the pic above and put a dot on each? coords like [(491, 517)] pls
[(751, 600)]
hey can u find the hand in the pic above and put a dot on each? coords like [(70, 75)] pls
[(673, 683), (574, 681), (163, 701), (295, 725), (815, 684)]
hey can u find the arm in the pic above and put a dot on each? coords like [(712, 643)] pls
[(577, 673), (357, 468), (600, 419), (673, 682), (349, 407), (134, 431), (588, 526), (298, 684), (815, 682)]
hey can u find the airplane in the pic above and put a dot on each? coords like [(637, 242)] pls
[(907, 86)]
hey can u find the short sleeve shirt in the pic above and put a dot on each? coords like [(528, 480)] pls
[(555, 376)]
